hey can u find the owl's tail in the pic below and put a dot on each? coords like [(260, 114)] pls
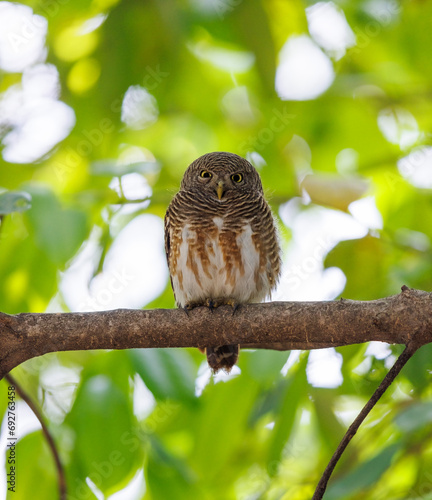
[(223, 357)]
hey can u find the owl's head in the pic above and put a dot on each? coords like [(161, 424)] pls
[(221, 176)]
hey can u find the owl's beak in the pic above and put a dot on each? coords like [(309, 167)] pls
[(220, 189)]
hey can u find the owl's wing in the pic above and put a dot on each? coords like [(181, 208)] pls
[(265, 226), (167, 230), (167, 235)]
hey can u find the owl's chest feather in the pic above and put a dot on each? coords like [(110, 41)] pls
[(212, 261)]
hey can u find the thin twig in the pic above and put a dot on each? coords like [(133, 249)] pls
[(122, 200), (48, 436), (409, 350)]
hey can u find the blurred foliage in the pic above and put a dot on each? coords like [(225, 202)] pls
[(204, 72)]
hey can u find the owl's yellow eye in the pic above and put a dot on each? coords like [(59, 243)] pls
[(205, 174), (237, 178)]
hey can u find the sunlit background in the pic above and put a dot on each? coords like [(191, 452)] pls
[(103, 104)]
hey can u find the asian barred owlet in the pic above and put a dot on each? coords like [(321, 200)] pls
[(221, 241)]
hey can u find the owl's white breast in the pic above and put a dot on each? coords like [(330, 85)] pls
[(219, 264)]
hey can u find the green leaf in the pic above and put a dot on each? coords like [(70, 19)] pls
[(365, 263), (416, 416), (331, 430), (34, 466), (419, 368), (364, 476), (168, 373), (14, 201), (3, 397), (59, 232), (253, 27), (221, 431), (168, 476), (103, 424), (334, 191), (263, 365), (294, 391)]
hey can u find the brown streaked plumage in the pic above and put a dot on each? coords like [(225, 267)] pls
[(221, 241)]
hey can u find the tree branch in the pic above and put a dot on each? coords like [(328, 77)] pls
[(398, 319), (48, 436), (402, 360)]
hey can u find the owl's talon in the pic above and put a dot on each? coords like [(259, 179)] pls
[(234, 306), (210, 304), (191, 305), (214, 303), (185, 310)]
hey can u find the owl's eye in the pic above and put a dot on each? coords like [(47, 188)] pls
[(205, 174), (237, 178)]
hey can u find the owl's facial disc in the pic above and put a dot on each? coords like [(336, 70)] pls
[(221, 184)]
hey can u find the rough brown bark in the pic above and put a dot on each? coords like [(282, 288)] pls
[(277, 325)]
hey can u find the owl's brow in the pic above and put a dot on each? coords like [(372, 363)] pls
[(227, 168)]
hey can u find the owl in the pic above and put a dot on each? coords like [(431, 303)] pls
[(221, 241)]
